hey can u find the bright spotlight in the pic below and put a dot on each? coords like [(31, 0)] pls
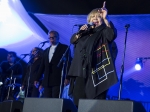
[(138, 64), (9, 18), (138, 67), (5, 11)]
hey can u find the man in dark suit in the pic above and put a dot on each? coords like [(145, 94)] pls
[(52, 81)]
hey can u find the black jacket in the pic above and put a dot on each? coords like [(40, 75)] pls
[(52, 73), (93, 60), (31, 70)]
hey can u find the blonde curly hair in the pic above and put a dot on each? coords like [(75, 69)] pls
[(93, 12)]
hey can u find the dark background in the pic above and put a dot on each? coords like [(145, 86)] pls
[(83, 7), (115, 7)]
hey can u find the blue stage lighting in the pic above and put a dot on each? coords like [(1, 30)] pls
[(138, 64)]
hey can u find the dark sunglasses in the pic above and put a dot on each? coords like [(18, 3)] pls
[(51, 37)]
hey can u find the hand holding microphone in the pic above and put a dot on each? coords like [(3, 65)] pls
[(85, 28)]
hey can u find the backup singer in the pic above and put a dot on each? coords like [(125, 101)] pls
[(31, 73), (52, 74)]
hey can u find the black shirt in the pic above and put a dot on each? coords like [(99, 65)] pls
[(15, 70)]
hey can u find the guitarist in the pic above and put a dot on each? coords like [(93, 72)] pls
[(11, 75)]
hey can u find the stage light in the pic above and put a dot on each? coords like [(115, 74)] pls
[(5, 11), (138, 64), (9, 19)]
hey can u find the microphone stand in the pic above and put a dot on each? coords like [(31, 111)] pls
[(122, 66), (43, 43), (11, 76), (62, 73), (9, 85), (30, 68)]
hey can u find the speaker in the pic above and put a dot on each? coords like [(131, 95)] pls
[(48, 105), (11, 106), (109, 106)]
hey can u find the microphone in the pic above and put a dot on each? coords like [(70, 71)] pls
[(44, 42), (90, 26), (25, 54), (127, 26)]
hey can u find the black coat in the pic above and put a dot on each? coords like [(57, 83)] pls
[(31, 70), (93, 60), (52, 73)]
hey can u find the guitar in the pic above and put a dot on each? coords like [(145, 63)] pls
[(21, 94)]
